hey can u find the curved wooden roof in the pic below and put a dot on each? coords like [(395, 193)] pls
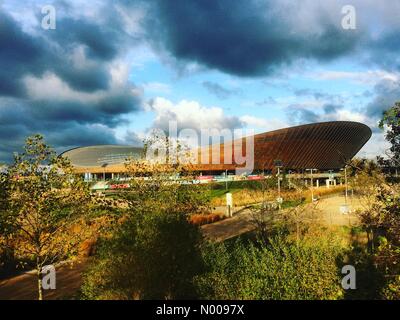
[(325, 145)]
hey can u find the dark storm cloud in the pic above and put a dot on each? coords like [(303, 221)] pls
[(318, 95), (18, 120), (386, 93), (218, 90), (50, 50), (62, 138), (88, 79), (260, 37), (331, 108), (72, 120), (106, 111), (65, 123), (100, 42), (19, 54), (384, 50), (244, 38), (301, 115), (133, 139), (82, 135)]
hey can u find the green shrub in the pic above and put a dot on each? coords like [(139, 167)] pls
[(151, 256), (281, 270)]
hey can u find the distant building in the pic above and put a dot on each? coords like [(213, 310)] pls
[(323, 146)]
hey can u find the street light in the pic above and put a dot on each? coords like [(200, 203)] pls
[(278, 164), (344, 208), (104, 165), (226, 179), (289, 173), (345, 184), (312, 183), (263, 185), (279, 182)]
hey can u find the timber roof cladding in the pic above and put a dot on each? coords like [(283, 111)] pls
[(96, 156), (325, 145)]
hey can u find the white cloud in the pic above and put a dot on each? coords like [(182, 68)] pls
[(377, 145), (132, 18), (119, 73), (344, 115), (363, 77), (191, 115), (264, 124), (49, 86)]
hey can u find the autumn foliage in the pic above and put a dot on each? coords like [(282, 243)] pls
[(201, 219)]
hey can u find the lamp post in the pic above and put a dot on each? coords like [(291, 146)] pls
[(104, 165), (263, 185), (344, 208), (226, 179), (279, 182), (289, 173), (278, 164), (345, 184), (330, 178), (312, 184)]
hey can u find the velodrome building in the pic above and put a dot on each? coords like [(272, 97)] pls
[(323, 146)]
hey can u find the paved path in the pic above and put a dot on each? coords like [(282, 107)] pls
[(24, 286), (231, 227), (330, 208), (241, 222)]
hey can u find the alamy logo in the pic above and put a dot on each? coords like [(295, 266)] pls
[(49, 18), (349, 19), (204, 147), (349, 280), (49, 277)]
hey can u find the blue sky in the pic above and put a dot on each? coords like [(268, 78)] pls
[(111, 71)]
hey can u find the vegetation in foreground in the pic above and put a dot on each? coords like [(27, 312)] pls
[(286, 260)]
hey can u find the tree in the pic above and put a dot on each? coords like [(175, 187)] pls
[(43, 198), (6, 249), (387, 256), (263, 218), (152, 255), (391, 119), (301, 218), (155, 252), (380, 217), (163, 183), (367, 181)]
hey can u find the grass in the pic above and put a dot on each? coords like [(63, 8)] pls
[(244, 195)]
